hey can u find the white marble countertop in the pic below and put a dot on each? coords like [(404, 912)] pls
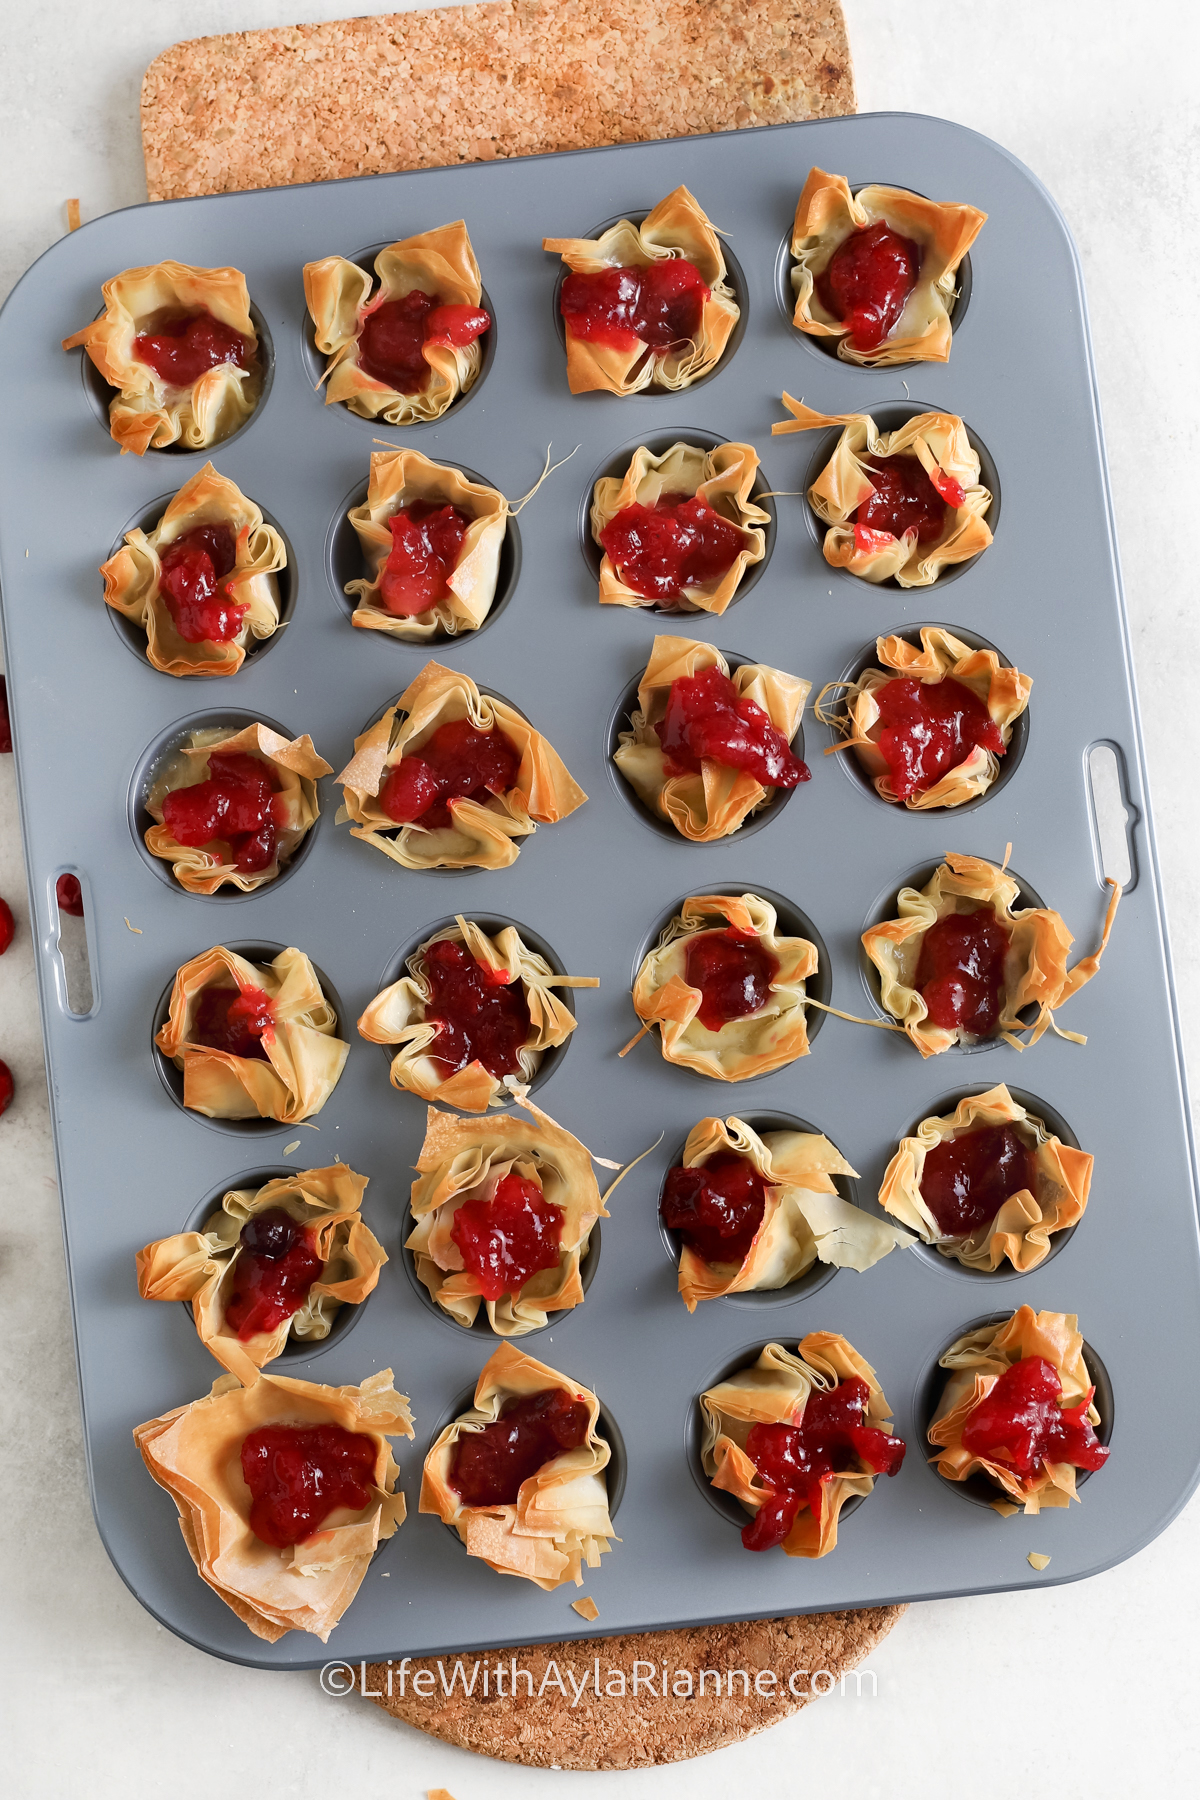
[(1081, 1689)]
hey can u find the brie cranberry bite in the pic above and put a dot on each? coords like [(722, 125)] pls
[(646, 305), (874, 271), (181, 348), (405, 345)]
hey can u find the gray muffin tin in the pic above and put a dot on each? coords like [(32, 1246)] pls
[(133, 1166)]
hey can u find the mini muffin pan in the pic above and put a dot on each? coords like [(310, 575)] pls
[(90, 718)]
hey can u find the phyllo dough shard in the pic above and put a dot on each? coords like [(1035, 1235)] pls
[(195, 1452), (559, 1519)]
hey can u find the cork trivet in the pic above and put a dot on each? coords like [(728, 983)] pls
[(470, 83), (554, 1731)]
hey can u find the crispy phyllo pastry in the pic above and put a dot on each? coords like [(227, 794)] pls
[(234, 806), (959, 964), (929, 726), (285, 1489), (1018, 1408), (270, 1264), (679, 531), (431, 542), (404, 346), (875, 270), (725, 991), (504, 1210), (987, 1182), (794, 1437), (901, 504), (203, 582), (253, 1041), (646, 305), (449, 777), (473, 1016), (180, 345), (520, 1476), (755, 1213), (705, 748)]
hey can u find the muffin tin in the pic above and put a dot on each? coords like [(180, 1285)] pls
[(132, 1165)]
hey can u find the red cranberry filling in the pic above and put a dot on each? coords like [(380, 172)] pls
[(967, 1178), (960, 971), (733, 972), (1023, 1423), (69, 895), (660, 306), (298, 1474), (275, 1268), (393, 333), (716, 1207), (868, 280), (905, 500), (706, 717), (183, 346), (481, 1015), (797, 1460), (236, 805), (192, 572), (488, 1467), (677, 543), (508, 1238), (457, 326), (459, 762), (427, 542), (927, 728), (234, 1020)]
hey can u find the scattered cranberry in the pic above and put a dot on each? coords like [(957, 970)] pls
[(7, 927), (5, 725), (6, 1087), (69, 895)]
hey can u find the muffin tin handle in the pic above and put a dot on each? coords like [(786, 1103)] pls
[(69, 942), (1114, 817)]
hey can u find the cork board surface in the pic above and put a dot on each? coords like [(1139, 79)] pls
[(471, 83)]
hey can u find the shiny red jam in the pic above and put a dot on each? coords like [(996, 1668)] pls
[(236, 806), (795, 1461), (192, 572), (967, 1178), (427, 542), (706, 717), (660, 306), (276, 1266), (960, 972), (298, 1474), (488, 1467), (1022, 1422), (677, 543), (927, 728), (716, 1206), (184, 345), (733, 971), (393, 333), (481, 1015), (69, 895), (459, 762), (232, 1019), (508, 1238), (867, 281), (905, 500)]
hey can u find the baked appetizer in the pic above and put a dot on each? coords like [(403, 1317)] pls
[(203, 582), (678, 531), (473, 1016), (404, 346), (875, 270), (234, 806), (1018, 1408), (448, 777), (930, 725), (646, 305), (520, 1476), (504, 1210), (726, 993), (706, 749), (987, 1182), (900, 505), (253, 1041), (959, 965), (270, 1264), (285, 1489), (755, 1213), (794, 1437), (431, 542), (180, 345)]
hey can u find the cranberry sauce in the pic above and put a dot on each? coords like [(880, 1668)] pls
[(716, 1207), (298, 1474), (69, 895), (508, 1238), (679, 542), (459, 762), (232, 1019), (427, 542), (926, 728), (192, 572), (393, 333), (797, 1460), (275, 1268), (960, 971), (488, 1467), (236, 806), (660, 306), (183, 346), (867, 281), (905, 500), (733, 972), (706, 717), (481, 1015), (1023, 1423), (967, 1178)]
